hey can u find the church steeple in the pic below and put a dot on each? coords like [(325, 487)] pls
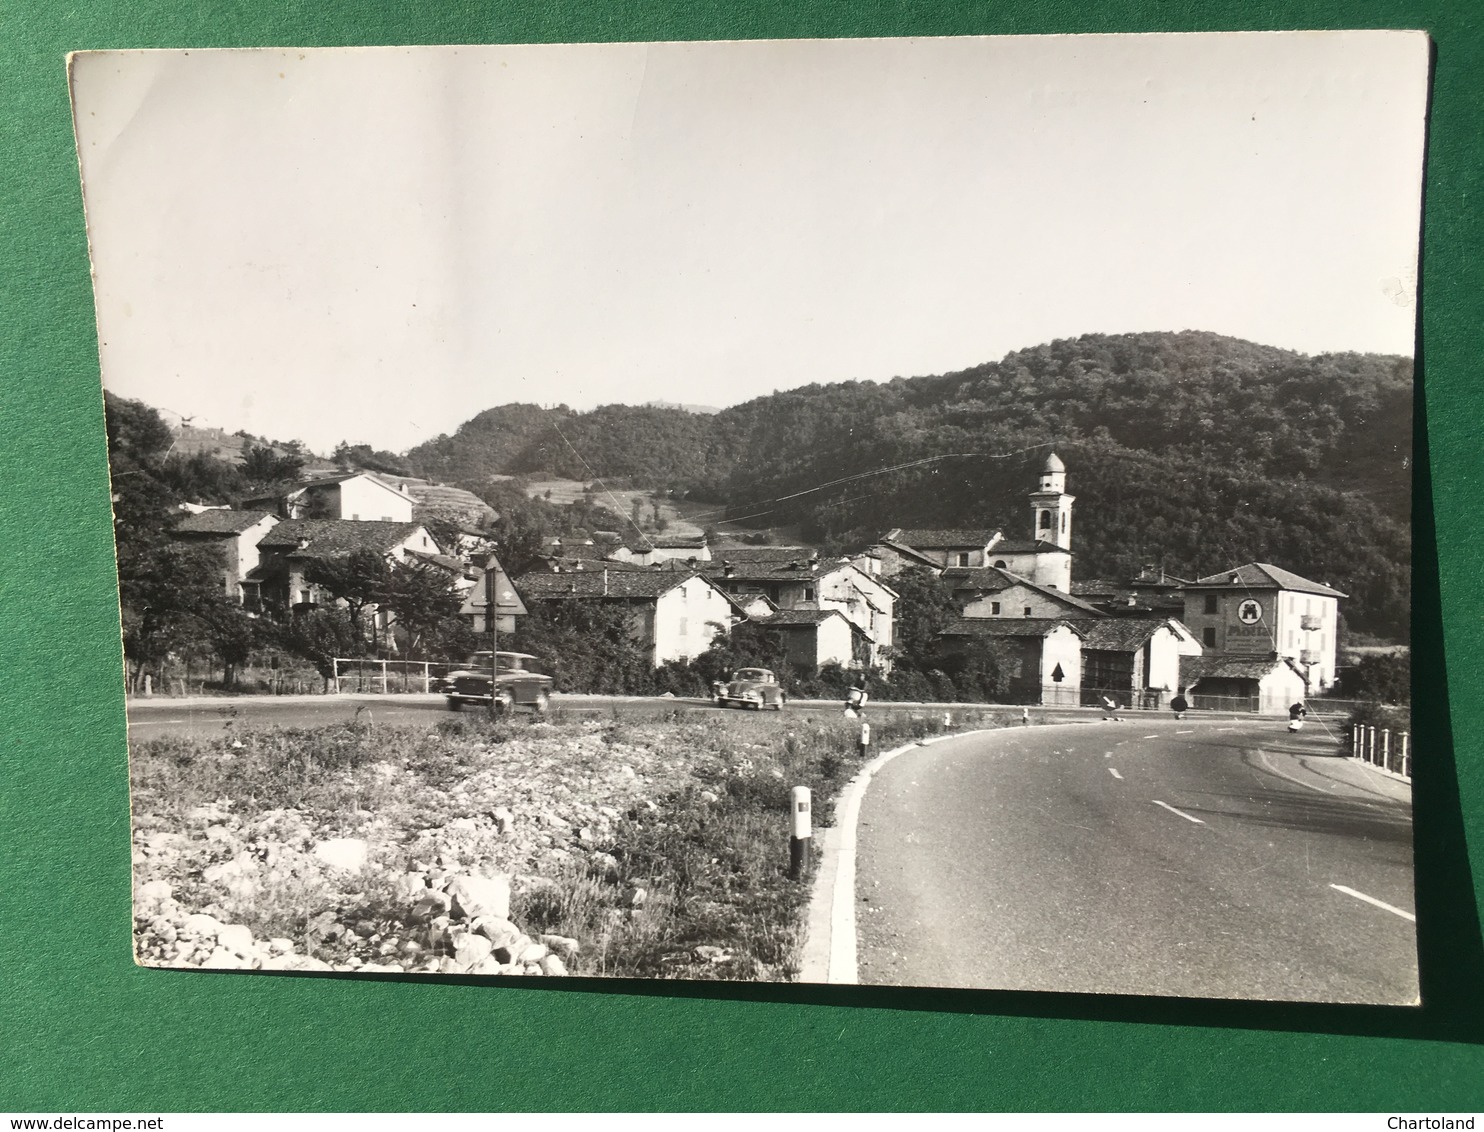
[(1051, 506)]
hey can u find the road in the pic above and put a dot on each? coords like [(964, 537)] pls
[(1217, 859), (203, 715)]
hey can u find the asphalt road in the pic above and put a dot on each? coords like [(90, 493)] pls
[(1217, 859), (204, 715)]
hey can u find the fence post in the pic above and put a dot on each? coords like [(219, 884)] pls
[(1386, 748), (1370, 745), (383, 677), (1355, 751), (427, 677), (335, 668), (1403, 741)]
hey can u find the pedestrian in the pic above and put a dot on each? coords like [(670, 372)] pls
[(1179, 705), (1296, 713), (855, 699)]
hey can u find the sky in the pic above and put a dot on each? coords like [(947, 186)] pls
[(374, 244)]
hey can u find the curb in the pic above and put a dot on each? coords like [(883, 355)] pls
[(829, 939)]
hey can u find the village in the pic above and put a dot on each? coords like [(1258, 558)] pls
[(1254, 637)]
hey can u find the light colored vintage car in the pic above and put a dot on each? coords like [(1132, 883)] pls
[(516, 685), (755, 688)]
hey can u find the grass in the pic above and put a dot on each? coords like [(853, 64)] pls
[(657, 838)]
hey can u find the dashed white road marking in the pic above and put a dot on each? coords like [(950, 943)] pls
[(1114, 772), (1190, 732), (1226, 729), (1154, 736), (1181, 813), (154, 722), (1392, 908)]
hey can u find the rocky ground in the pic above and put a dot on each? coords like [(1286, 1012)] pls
[(651, 848)]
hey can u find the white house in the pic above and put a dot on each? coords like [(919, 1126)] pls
[(675, 615), (235, 534), (357, 496)]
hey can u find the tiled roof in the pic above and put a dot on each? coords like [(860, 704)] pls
[(1010, 626), (1120, 634), (756, 554), (798, 617), (335, 538), (761, 571), (220, 522), (1261, 576), (1196, 668), (666, 542), (599, 583), (940, 539), (994, 579), (907, 552)]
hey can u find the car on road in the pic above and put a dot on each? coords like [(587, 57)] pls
[(515, 684), (756, 688)]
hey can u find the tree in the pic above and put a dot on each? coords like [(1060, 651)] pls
[(318, 636), (266, 470), (924, 608)]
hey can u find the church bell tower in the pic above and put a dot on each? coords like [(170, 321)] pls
[(1051, 506)]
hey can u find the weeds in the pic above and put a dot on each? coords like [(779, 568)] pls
[(657, 838)]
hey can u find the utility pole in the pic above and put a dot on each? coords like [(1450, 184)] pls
[(491, 624)]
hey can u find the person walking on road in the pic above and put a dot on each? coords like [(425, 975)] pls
[(1179, 705)]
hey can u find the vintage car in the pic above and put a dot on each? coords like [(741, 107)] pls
[(756, 688), (516, 685)]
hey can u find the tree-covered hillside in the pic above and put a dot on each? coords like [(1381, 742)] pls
[(1187, 449)]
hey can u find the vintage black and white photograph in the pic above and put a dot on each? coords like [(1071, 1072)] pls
[(909, 512)]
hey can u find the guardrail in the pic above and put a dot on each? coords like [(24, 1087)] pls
[(1382, 747), (354, 674)]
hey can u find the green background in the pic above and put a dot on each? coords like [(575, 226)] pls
[(82, 1029)]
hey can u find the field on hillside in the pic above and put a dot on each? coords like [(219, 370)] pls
[(648, 846)]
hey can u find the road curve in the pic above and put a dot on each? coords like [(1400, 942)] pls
[(1208, 859)]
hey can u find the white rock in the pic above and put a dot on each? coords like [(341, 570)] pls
[(153, 892), (496, 929), (280, 946), (223, 960), (409, 887), (201, 926), (504, 819), (432, 904), (553, 965), (472, 949), (533, 953), (475, 896), (384, 967), (236, 938), (348, 853)]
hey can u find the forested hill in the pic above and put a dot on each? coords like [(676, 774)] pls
[(1190, 449)]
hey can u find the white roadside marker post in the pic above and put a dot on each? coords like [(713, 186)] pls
[(802, 831), (865, 742)]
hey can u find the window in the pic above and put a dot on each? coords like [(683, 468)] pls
[(1045, 523), (808, 593), (1027, 611), (1000, 563), (356, 515), (684, 626), (963, 559), (1208, 636), (994, 609), (1210, 603), (1063, 522)]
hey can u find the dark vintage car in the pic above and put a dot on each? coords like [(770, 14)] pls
[(756, 688), (517, 686)]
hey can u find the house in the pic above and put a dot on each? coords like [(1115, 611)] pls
[(1045, 558), (289, 551), (804, 581), (1242, 683), (812, 637), (1150, 592), (355, 496), (992, 591), (1262, 610), (235, 533), (1134, 660), (650, 549), (1045, 654), (675, 614)]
